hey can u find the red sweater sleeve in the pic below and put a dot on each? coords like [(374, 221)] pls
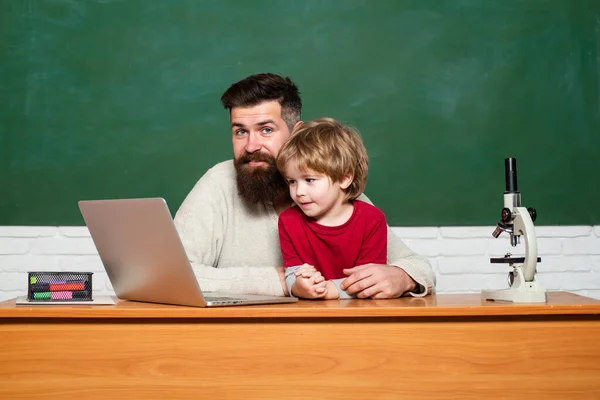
[(288, 251)]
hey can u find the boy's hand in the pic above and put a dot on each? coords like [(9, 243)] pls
[(309, 284), (307, 270), (331, 291), (325, 290)]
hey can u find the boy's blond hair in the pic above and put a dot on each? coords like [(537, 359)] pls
[(330, 148)]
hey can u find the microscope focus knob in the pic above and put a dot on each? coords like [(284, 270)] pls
[(532, 213), (506, 215)]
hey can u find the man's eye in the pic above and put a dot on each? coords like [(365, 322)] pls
[(267, 130), (240, 132)]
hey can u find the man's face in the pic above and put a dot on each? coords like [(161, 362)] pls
[(258, 133)]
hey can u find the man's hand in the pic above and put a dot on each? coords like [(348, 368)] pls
[(377, 281)]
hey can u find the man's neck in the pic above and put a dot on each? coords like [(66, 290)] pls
[(282, 203)]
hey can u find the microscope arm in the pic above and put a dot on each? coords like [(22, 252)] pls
[(523, 225)]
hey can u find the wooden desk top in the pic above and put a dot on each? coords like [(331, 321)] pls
[(442, 305)]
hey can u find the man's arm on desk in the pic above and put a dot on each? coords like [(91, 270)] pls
[(407, 273), (417, 267), (234, 280), (241, 280), (201, 222)]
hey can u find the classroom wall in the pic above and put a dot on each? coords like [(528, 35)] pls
[(120, 98), (459, 255)]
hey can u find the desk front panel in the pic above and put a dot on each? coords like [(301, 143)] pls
[(427, 358)]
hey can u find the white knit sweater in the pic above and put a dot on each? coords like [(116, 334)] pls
[(233, 247)]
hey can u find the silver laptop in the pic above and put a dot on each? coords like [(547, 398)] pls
[(144, 257)]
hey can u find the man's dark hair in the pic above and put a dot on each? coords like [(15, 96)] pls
[(256, 89)]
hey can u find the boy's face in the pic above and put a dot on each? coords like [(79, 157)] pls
[(316, 195)]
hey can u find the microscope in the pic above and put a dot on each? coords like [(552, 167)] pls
[(517, 221)]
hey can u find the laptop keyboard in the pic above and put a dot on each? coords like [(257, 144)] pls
[(221, 298)]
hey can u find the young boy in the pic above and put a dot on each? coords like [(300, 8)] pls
[(325, 165)]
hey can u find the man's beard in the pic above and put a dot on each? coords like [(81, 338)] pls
[(258, 184)]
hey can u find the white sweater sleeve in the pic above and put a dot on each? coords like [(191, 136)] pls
[(239, 280), (202, 224)]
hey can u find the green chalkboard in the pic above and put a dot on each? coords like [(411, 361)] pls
[(114, 99)]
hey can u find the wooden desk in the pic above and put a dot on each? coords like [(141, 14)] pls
[(439, 347)]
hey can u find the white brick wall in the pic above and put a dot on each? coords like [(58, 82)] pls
[(459, 255)]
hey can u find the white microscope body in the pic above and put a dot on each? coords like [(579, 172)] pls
[(517, 221)]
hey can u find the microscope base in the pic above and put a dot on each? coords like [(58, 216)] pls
[(529, 292)]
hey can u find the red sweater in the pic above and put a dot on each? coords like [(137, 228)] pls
[(330, 249)]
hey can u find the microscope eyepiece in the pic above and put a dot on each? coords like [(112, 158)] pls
[(510, 172)]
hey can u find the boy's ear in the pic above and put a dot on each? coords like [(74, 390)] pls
[(346, 181), (297, 125)]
